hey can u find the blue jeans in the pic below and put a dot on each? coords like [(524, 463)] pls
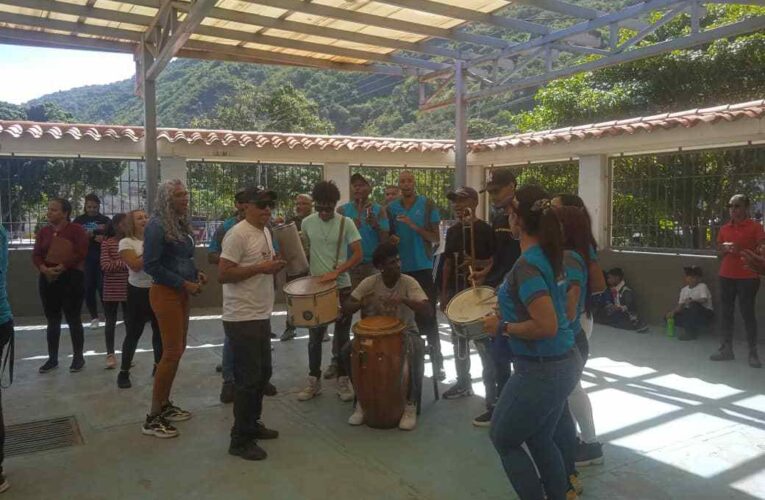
[(528, 412), (228, 361)]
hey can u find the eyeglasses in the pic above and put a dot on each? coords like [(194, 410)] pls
[(325, 208)]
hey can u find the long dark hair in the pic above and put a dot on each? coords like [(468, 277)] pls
[(576, 236), (539, 219), (66, 207), (113, 226), (572, 200)]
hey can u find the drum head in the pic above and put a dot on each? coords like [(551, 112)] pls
[(471, 304), (379, 325), (308, 286)]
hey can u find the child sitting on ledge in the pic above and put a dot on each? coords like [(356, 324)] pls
[(621, 310), (694, 307)]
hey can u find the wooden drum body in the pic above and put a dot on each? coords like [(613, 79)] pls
[(291, 249), (311, 303), (380, 371), (467, 309)]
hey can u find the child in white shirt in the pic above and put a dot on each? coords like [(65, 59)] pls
[(694, 307)]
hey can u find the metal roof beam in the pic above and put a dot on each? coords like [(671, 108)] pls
[(179, 33), (363, 18), (578, 11), (442, 9)]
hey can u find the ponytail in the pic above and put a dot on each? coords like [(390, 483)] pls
[(540, 219)]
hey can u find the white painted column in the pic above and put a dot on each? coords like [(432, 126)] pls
[(173, 167), (340, 174), (595, 190)]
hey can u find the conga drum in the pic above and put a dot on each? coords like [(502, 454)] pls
[(291, 249), (380, 371), (467, 309), (311, 303)]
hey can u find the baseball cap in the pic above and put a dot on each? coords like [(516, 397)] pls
[(463, 192), (358, 177), (500, 177), (257, 193)]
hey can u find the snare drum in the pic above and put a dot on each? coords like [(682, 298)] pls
[(311, 303), (291, 248), (380, 370), (467, 309)]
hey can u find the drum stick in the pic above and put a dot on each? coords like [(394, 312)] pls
[(470, 268)]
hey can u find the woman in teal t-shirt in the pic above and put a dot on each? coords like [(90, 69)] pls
[(532, 302)]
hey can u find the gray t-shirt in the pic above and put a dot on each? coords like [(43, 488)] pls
[(373, 294)]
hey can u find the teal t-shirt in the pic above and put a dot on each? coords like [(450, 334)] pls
[(576, 274), (412, 247), (530, 278), (370, 238), (323, 238)]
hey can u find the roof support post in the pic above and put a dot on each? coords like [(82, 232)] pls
[(149, 94), (460, 122)]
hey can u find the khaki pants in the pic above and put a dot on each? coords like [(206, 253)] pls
[(171, 307)]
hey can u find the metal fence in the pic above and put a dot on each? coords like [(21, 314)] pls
[(678, 201), (434, 183), (212, 187), (555, 178), (26, 185)]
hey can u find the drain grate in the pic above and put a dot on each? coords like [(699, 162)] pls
[(31, 437)]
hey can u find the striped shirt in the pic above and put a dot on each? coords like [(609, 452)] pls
[(115, 272)]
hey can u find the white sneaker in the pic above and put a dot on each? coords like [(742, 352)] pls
[(311, 391), (358, 416), (345, 389), (94, 324), (409, 418)]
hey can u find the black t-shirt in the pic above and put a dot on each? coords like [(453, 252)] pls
[(506, 250), (484, 246), (96, 226)]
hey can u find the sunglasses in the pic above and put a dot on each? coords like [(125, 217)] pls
[(325, 208)]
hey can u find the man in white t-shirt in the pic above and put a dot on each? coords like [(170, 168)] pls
[(246, 268), (694, 308), (390, 293)]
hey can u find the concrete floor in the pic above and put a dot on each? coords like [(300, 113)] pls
[(676, 426)]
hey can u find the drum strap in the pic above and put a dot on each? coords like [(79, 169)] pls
[(339, 241)]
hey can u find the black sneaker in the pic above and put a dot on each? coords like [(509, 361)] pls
[(589, 454), (77, 365), (641, 328), (269, 390), (123, 380), (48, 366), (172, 413), (457, 391), (248, 451), (158, 426), (264, 432), (725, 353), (289, 334), (218, 368), (273, 335), (227, 393), (484, 419)]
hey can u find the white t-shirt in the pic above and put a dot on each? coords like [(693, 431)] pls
[(138, 279), (373, 294), (699, 293), (253, 298)]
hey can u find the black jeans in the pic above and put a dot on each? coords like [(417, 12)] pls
[(746, 291), (138, 313), (251, 346), (427, 324), (93, 281), (63, 295), (6, 335), (693, 318), (110, 313), (341, 337)]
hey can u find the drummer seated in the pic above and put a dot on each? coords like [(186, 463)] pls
[(390, 293)]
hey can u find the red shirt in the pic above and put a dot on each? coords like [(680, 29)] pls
[(72, 232), (746, 234)]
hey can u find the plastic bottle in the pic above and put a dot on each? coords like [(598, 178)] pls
[(670, 327)]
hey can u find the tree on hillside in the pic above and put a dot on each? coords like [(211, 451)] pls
[(49, 112), (10, 111)]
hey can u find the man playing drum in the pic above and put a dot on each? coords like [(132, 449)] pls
[(246, 268), (390, 293), (416, 220), (330, 236), (469, 245), (303, 208)]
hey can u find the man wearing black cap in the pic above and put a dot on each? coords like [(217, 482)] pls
[(507, 248), (694, 308), (469, 246), (246, 268)]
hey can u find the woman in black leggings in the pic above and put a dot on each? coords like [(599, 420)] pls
[(138, 307)]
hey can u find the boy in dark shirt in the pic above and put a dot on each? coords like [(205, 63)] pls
[(94, 223), (464, 252), (622, 312)]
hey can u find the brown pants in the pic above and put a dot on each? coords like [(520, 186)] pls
[(171, 307)]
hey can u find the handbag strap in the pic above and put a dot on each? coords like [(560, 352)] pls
[(339, 241)]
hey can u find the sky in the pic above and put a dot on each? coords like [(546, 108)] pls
[(29, 72)]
